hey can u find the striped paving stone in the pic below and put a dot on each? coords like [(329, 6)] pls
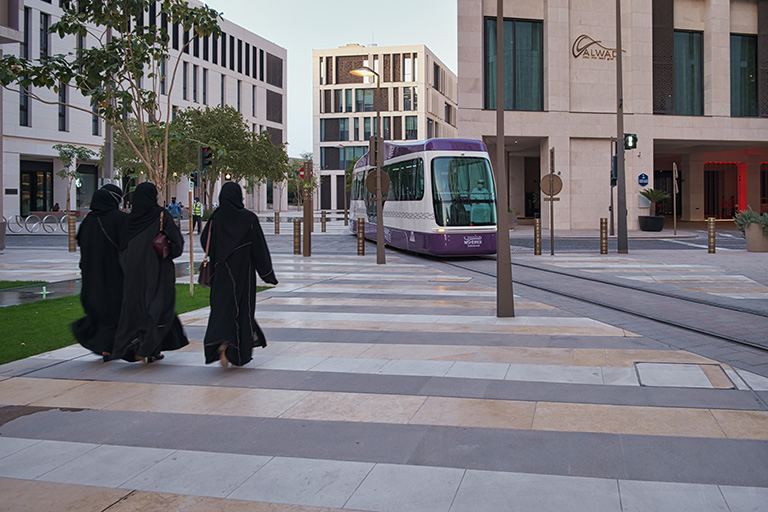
[(362, 403)]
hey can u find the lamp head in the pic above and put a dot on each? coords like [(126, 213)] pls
[(363, 71)]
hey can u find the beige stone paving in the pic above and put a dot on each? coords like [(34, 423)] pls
[(397, 409)]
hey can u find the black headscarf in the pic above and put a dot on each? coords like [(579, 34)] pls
[(106, 199), (145, 211), (230, 223)]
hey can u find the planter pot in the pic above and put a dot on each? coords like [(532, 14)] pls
[(651, 222), (512, 220), (756, 240)]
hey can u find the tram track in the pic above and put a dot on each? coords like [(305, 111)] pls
[(665, 305)]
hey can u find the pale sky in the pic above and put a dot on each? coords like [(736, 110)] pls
[(301, 26)]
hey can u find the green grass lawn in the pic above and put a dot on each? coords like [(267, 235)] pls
[(15, 284), (37, 327)]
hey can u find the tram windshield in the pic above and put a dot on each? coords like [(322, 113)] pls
[(462, 191)]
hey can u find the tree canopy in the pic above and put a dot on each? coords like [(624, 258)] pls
[(124, 72)]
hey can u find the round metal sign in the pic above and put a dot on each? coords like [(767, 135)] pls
[(551, 184), (370, 182), (642, 180)]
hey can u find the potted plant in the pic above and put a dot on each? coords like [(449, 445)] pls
[(755, 228), (652, 222)]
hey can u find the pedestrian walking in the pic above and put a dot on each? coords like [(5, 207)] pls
[(148, 321), (102, 277), (237, 252), (175, 210), (197, 215)]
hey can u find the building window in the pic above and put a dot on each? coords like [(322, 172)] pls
[(223, 89), (357, 129), (205, 48), (25, 44), (253, 101), (436, 77), (239, 56), (334, 130), (24, 107), (223, 50), (261, 65), (407, 68), (247, 59), (239, 89), (411, 128), (363, 100), (194, 83), (195, 44), (407, 98), (430, 128), (45, 23), (95, 122), (231, 53), (215, 49), (184, 80), (523, 65), (274, 107), (186, 41), (386, 130), (743, 76), (337, 101), (274, 70), (205, 86), (348, 100), (255, 62), (162, 76), (175, 36), (62, 107), (688, 76), (322, 72), (366, 128)]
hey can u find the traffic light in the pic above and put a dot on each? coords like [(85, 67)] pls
[(614, 172), (206, 155), (195, 178), (630, 141), (375, 146)]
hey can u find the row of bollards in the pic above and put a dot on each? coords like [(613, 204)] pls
[(297, 234), (604, 236)]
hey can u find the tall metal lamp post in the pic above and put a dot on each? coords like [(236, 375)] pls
[(378, 140)]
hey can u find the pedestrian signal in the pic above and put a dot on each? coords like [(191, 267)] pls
[(630, 141)]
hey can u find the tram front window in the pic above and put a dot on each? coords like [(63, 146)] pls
[(462, 192)]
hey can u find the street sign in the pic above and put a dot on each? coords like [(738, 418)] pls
[(551, 184), (301, 173), (642, 180), (370, 182)]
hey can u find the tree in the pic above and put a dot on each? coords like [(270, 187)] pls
[(68, 156), (131, 50), (654, 195)]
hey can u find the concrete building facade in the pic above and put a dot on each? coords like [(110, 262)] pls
[(238, 68), (418, 101), (695, 92)]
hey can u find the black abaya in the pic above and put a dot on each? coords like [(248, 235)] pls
[(237, 252), (102, 277), (148, 321)]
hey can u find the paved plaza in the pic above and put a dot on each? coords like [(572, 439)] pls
[(396, 388)]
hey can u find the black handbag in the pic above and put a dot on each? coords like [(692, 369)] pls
[(204, 273), (160, 243)]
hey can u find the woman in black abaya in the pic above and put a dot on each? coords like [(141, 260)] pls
[(102, 283), (237, 252), (148, 321)]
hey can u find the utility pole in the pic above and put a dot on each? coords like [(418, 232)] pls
[(621, 200)]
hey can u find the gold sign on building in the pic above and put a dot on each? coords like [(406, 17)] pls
[(584, 47)]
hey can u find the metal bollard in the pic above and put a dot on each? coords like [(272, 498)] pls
[(296, 236), (361, 236), (277, 223), (72, 228), (711, 235), (603, 236), (322, 221), (537, 237), (346, 217)]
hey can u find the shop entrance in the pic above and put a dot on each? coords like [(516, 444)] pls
[(725, 189), (36, 187)]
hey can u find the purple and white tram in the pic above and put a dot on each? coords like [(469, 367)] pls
[(441, 200)]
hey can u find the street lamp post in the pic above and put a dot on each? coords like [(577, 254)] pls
[(366, 71)]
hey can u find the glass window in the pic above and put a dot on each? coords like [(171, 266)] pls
[(215, 49), (411, 128), (357, 129), (523, 65), (406, 98), (407, 68), (688, 80), (205, 48), (231, 53), (239, 88), (62, 107), (26, 42), (462, 191), (223, 90), (386, 129), (743, 76), (194, 83), (348, 100), (95, 124), (223, 50), (240, 56), (363, 100), (366, 128), (24, 108), (406, 180), (162, 76), (205, 86), (45, 23), (184, 80), (248, 59)]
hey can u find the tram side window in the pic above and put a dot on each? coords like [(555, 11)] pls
[(406, 180)]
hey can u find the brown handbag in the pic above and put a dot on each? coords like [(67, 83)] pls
[(160, 243), (204, 273)]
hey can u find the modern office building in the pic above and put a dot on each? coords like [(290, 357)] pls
[(238, 68), (418, 101), (695, 92)]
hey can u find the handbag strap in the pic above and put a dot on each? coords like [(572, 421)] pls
[(161, 221), (208, 242)]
